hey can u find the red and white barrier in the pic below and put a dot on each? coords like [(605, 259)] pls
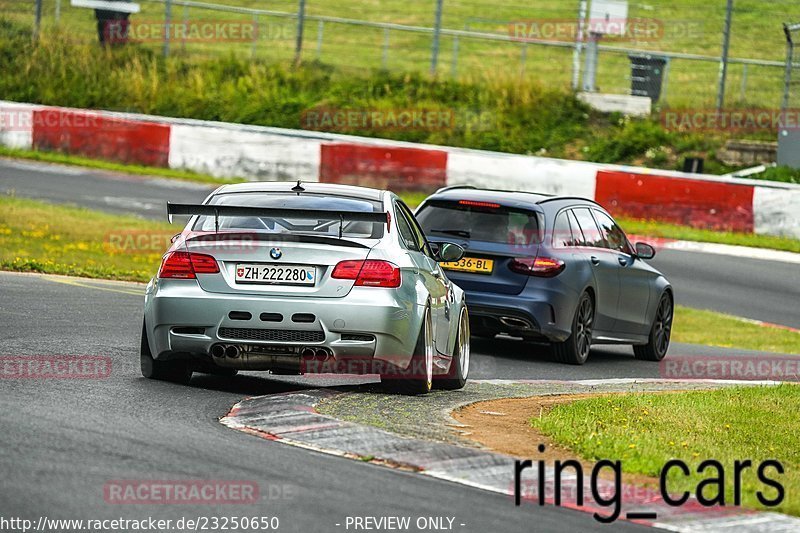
[(270, 154)]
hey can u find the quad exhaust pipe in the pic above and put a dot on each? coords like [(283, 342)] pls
[(220, 350), (232, 351), (318, 354)]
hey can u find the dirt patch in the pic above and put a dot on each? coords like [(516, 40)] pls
[(504, 426)]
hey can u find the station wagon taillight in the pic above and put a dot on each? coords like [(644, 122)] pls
[(368, 273), (543, 267), (184, 265)]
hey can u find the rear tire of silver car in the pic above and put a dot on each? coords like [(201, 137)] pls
[(418, 378), (575, 350), (456, 376), (658, 342), (173, 371)]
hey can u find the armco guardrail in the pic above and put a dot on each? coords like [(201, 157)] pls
[(269, 154)]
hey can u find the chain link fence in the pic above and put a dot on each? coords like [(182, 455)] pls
[(670, 50)]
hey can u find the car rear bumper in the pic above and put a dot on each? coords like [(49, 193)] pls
[(534, 313), (184, 320)]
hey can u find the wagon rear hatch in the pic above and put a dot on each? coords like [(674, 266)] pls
[(493, 236)]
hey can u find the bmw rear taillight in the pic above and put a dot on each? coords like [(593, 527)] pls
[(368, 273), (184, 265), (543, 267)]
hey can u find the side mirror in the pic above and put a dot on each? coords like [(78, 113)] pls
[(449, 253), (645, 251)]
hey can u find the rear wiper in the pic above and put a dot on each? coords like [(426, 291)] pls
[(458, 232)]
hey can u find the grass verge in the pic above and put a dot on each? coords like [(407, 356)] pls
[(644, 431), (40, 237), (654, 228), (54, 239), (698, 326)]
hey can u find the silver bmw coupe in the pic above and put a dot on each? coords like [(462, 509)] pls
[(306, 278)]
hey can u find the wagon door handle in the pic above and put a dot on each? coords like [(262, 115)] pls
[(595, 260)]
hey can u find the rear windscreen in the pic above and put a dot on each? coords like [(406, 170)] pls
[(295, 225), (481, 221)]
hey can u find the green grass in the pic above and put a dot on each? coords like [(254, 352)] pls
[(654, 228), (644, 431), (696, 326), (493, 112), (689, 26), (40, 237)]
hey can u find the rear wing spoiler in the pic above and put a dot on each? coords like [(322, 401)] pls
[(217, 211)]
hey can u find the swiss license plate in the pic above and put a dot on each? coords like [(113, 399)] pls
[(471, 264), (276, 274)]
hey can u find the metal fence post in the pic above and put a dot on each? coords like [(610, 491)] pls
[(58, 11), (576, 55), (301, 22), (437, 30), (185, 26), (590, 68), (522, 56), (37, 22), (320, 30), (744, 82), (385, 55), (454, 59), (167, 20), (255, 35), (723, 66)]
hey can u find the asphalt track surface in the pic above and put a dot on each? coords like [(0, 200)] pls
[(63, 440)]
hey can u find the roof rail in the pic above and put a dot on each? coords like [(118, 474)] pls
[(451, 187), (554, 198)]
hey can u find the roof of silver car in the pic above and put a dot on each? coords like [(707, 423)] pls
[(311, 187)]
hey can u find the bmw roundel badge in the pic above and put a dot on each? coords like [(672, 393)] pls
[(275, 253)]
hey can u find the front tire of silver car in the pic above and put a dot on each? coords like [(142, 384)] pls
[(456, 376), (418, 378), (575, 350), (173, 371)]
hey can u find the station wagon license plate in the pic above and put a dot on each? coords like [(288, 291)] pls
[(275, 274), (471, 264)]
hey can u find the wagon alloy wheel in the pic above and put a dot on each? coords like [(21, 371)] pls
[(658, 342), (575, 350), (584, 328), (456, 376), (418, 377)]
